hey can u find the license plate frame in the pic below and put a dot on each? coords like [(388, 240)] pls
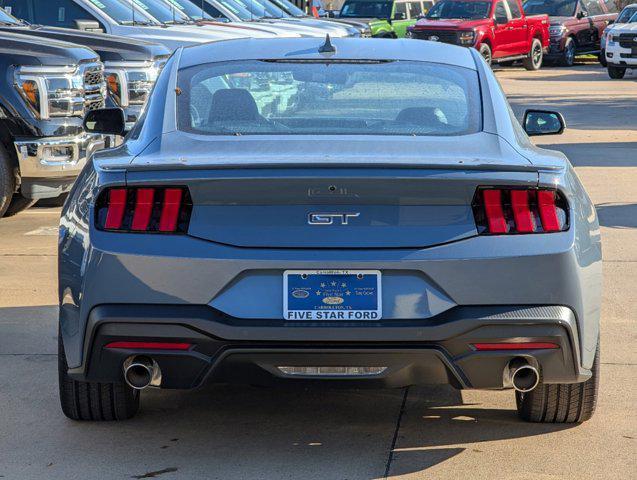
[(314, 288)]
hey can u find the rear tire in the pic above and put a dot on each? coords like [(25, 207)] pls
[(533, 61), (568, 55), (616, 73), (18, 204), (92, 400), (602, 58), (561, 403), (7, 181), (485, 52)]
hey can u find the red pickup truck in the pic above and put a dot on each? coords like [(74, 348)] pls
[(498, 29)]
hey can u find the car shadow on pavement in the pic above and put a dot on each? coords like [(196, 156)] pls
[(617, 215), (600, 154)]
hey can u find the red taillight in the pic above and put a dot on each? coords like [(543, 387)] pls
[(150, 345), (548, 210), (144, 209), (500, 211), (116, 208), (515, 346), (170, 212), (493, 209)]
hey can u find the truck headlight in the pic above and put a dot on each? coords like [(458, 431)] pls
[(51, 91), (467, 37), (557, 30), (130, 83)]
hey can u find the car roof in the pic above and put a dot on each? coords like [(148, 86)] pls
[(308, 48)]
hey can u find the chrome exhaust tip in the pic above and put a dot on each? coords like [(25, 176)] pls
[(141, 372), (525, 378)]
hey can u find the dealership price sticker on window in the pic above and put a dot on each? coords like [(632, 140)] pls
[(332, 295)]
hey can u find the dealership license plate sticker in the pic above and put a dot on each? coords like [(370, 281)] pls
[(332, 295)]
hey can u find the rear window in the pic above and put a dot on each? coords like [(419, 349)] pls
[(328, 98)]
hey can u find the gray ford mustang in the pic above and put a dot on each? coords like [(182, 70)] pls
[(357, 212)]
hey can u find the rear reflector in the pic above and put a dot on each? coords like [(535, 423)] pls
[(515, 346), (144, 210), (150, 345), (501, 211)]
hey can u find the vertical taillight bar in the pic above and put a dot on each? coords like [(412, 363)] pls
[(495, 214), (170, 210), (116, 208), (143, 208), (521, 212), (548, 211)]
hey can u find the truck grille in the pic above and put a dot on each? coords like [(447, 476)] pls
[(94, 85), (628, 40), (445, 36)]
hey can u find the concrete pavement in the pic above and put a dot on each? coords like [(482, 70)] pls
[(230, 432)]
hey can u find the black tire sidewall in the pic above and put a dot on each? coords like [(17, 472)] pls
[(483, 49), (7, 180)]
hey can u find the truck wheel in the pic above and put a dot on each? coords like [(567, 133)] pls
[(602, 58), (616, 72), (18, 204), (92, 400), (568, 55), (534, 59), (561, 403), (7, 181), (485, 51)]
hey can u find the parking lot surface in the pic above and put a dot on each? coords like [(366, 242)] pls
[(233, 432)]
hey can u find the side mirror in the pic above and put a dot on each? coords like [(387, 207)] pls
[(400, 16), (543, 122), (581, 14), (107, 121), (88, 25), (501, 20)]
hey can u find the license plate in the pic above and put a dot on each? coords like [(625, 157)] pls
[(332, 295)]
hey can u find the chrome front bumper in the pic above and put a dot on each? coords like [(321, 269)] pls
[(55, 157)]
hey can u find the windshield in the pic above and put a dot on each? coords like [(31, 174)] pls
[(627, 15), (366, 9), (161, 11), (452, 9), (6, 18), (289, 7), (237, 9), (262, 9), (122, 12), (553, 8), (284, 97), (190, 9)]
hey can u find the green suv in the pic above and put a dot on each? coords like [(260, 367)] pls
[(385, 18)]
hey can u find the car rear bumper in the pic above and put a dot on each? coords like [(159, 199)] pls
[(433, 351)]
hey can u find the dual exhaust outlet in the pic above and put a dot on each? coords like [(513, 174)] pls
[(141, 372)]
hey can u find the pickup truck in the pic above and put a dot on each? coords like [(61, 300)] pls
[(384, 18), (576, 26), (131, 65), (46, 88), (498, 29), (621, 47)]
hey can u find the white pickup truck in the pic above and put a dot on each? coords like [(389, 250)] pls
[(621, 44)]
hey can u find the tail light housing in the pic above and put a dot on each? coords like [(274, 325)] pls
[(148, 209), (516, 211)]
